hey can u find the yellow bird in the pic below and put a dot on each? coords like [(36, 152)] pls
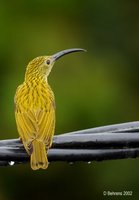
[(35, 108)]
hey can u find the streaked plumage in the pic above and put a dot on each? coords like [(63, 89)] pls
[(35, 109), (35, 114)]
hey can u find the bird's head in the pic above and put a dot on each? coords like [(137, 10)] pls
[(40, 67)]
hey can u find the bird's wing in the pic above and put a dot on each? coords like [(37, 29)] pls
[(26, 128), (46, 125), (38, 125)]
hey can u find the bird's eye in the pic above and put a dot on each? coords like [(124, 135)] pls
[(48, 62)]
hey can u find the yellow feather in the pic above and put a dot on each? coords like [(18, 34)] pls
[(35, 117)]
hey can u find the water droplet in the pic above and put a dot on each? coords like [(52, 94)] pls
[(11, 163), (89, 162), (71, 163)]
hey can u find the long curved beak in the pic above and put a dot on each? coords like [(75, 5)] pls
[(58, 55)]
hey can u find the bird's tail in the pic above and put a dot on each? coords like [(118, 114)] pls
[(38, 156)]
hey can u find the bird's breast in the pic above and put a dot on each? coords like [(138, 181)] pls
[(31, 96)]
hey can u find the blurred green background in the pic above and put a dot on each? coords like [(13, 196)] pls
[(96, 88)]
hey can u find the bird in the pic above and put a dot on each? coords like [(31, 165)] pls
[(35, 108)]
